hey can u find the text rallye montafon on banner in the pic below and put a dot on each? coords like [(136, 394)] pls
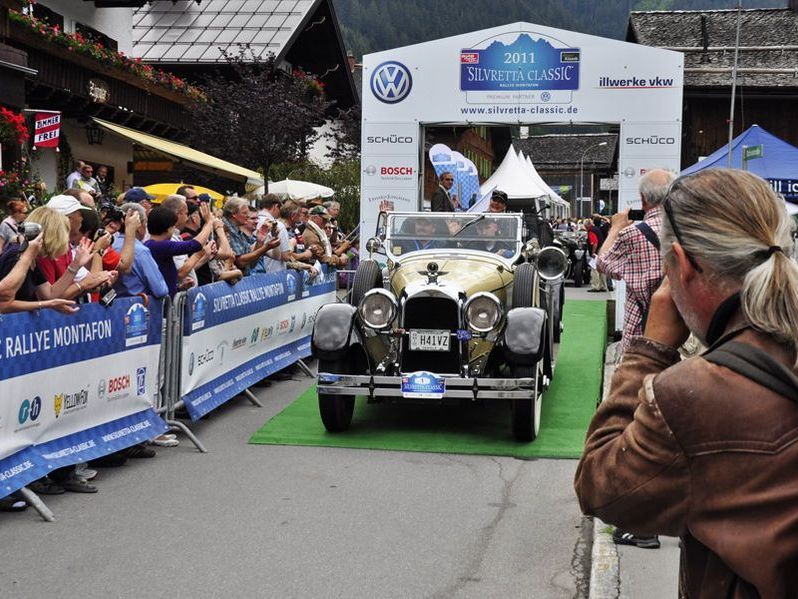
[(76, 387), (235, 336)]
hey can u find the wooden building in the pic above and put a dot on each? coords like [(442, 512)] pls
[(574, 165), (767, 80)]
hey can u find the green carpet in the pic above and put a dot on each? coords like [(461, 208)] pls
[(484, 429)]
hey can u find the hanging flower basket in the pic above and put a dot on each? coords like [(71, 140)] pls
[(13, 127)]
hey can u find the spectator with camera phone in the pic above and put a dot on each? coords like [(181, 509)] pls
[(161, 224), (144, 276), (33, 291), (9, 229)]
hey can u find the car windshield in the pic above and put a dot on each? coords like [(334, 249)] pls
[(493, 233)]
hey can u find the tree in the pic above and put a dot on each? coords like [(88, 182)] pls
[(345, 135), (256, 114)]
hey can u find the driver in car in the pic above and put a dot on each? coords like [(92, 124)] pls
[(423, 229)]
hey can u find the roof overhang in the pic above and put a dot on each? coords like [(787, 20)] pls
[(186, 154)]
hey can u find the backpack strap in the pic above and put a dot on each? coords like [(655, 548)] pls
[(756, 365), (648, 233)]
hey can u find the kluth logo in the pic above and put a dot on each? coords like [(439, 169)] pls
[(391, 82)]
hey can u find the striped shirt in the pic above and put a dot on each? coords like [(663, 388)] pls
[(638, 263)]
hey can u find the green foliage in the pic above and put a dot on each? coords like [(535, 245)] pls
[(372, 25)]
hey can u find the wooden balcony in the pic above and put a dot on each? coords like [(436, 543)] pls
[(65, 80)]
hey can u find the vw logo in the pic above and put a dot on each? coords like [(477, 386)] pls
[(391, 82)]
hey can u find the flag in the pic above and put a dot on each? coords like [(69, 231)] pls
[(47, 130)]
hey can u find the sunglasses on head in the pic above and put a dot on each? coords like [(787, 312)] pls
[(666, 205)]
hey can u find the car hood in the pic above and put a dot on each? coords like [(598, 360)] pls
[(466, 274)]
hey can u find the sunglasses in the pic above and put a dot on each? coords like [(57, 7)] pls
[(666, 205)]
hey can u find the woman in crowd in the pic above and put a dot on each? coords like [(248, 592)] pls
[(36, 291), (17, 211)]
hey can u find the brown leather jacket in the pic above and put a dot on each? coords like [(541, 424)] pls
[(692, 449)]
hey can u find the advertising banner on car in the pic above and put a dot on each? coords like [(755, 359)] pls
[(234, 336), (76, 387)]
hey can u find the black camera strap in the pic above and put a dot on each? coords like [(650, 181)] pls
[(747, 360), (757, 365)]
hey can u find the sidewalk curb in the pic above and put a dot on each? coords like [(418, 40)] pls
[(605, 576), (605, 581)]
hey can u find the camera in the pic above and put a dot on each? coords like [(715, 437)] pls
[(107, 296), (30, 231)]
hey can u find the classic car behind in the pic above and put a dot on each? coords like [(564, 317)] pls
[(455, 315)]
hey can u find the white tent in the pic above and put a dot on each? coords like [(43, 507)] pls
[(513, 178), (553, 195)]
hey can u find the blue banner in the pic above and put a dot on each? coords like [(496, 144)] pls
[(76, 387), (234, 336), (32, 463), (525, 64)]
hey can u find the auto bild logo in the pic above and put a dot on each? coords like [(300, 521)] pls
[(391, 82), (198, 310), (29, 410), (141, 381)]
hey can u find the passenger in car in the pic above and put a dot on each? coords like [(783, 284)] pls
[(488, 229)]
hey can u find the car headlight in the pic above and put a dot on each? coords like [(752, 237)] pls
[(483, 312), (551, 262), (378, 308)]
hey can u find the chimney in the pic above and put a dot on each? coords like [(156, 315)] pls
[(351, 57)]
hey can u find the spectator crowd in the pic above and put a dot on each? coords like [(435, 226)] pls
[(82, 247)]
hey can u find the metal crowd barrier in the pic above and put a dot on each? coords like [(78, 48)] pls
[(171, 356)]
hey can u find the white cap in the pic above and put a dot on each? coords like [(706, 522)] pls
[(65, 204)]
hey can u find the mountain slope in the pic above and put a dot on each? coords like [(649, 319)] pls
[(373, 25)]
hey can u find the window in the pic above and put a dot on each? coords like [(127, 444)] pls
[(92, 34), (48, 16)]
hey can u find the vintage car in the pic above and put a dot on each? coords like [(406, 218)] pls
[(456, 314)]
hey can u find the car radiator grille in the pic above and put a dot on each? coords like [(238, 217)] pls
[(431, 313)]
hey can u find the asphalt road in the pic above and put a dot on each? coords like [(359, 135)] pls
[(272, 521)]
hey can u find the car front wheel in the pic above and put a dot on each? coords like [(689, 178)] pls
[(335, 410), (526, 412)]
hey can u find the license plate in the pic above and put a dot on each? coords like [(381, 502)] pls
[(429, 340), (423, 385)]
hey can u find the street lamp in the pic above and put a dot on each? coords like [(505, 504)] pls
[(582, 172)]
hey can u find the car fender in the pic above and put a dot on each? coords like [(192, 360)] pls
[(334, 331), (524, 335)]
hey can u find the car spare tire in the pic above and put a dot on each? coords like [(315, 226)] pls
[(368, 276)]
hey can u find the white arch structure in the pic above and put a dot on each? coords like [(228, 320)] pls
[(514, 74)]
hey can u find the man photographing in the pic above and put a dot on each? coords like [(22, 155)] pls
[(706, 448)]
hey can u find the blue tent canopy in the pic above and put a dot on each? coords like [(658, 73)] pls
[(778, 165)]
